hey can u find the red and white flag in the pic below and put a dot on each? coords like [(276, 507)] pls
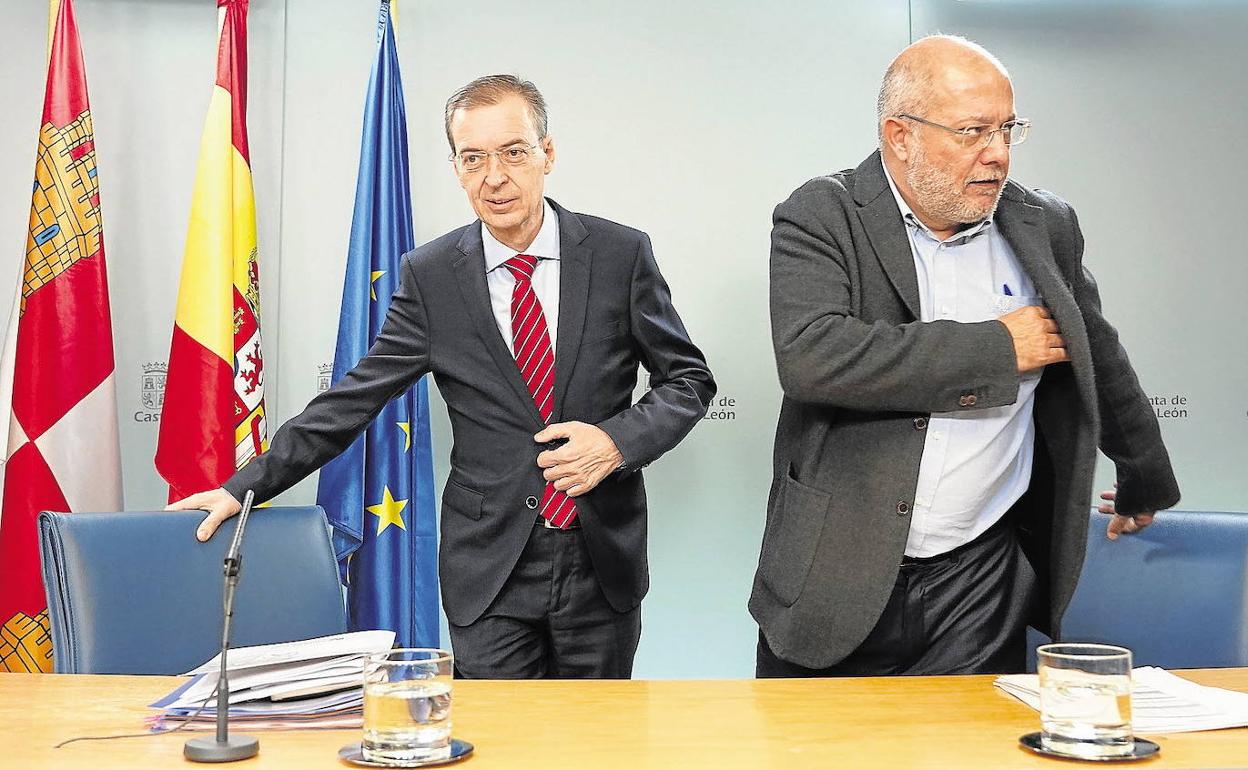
[(57, 375)]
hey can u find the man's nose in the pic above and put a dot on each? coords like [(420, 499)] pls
[(997, 151), (495, 175)]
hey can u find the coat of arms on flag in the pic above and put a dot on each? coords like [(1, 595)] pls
[(56, 380), (213, 418)]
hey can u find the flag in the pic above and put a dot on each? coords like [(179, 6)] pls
[(213, 420), (62, 452), (378, 494)]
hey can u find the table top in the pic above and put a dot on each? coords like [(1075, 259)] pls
[(893, 722)]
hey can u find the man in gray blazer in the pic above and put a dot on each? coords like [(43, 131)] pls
[(533, 321), (948, 377)]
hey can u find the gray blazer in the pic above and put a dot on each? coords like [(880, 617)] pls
[(860, 373), (615, 312)]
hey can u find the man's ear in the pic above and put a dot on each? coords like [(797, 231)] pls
[(548, 144), (894, 132)]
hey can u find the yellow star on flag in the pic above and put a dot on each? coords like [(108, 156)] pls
[(388, 511), (372, 290), (407, 432)]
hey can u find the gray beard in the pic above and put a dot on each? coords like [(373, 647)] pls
[(939, 194)]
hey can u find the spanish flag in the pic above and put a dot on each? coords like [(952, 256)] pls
[(56, 373), (213, 420)]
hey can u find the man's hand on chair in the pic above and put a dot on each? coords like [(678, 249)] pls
[(219, 504), (1118, 523)]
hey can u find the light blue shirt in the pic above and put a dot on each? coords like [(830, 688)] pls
[(545, 247), (976, 463)]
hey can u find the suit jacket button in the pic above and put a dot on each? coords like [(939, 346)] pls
[(530, 502), (971, 399), (962, 401), (920, 423), (903, 508)]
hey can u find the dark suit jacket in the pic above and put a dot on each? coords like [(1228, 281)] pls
[(615, 311), (858, 371)]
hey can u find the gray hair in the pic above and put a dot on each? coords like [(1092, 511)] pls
[(492, 89), (907, 88)]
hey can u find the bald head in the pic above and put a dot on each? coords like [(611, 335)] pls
[(936, 73)]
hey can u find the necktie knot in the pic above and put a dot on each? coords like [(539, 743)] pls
[(521, 266)]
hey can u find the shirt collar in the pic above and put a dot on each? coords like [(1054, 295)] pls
[(544, 246), (909, 217)]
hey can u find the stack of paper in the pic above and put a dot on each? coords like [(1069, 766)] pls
[(314, 683), (1160, 702)]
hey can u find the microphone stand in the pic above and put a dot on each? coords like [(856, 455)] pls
[(224, 748)]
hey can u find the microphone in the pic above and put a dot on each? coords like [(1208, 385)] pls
[(224, 748)]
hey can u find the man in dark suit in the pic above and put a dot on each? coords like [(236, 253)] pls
[(948, 376), (533, 321)]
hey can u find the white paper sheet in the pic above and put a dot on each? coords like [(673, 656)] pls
[(1160, 702), (354, 643)]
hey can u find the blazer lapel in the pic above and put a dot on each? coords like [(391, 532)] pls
[(470, 271), (574, 264), (1022, 225), (882, 220)]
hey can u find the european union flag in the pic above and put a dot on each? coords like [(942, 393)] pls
[(379, 493)]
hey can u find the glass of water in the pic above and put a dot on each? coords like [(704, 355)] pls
[(1085, 699), (407, 705)]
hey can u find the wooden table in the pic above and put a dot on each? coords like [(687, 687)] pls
[(951, 723)]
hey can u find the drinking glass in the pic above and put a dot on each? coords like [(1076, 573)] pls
[(407, 705), (1085, 699)]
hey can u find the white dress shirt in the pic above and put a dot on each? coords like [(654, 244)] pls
[(545, 279), (976, 463)]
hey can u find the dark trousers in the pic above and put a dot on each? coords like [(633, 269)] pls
[(550, 620), (962, 612)]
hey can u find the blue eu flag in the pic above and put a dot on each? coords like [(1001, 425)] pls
[(379, 493)]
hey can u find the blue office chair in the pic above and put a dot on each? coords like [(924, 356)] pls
[(1176, 593), (136, 593)]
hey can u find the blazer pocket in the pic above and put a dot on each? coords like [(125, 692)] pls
[(462, 500), (794, 528), (606, 332)]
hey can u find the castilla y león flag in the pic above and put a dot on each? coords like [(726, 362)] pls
[(57, 372), (213, 419)]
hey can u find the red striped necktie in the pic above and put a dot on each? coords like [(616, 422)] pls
[(530, 343)]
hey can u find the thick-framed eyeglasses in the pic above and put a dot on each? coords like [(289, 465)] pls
[(512, 155), (978, 137)]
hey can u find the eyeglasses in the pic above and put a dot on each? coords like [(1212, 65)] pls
[(514, 155), (978, 137)]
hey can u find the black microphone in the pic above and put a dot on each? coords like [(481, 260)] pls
[(224, 748)]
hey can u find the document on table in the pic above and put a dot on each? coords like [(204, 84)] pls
[(309, 683), (1160, 702), (355, 643), (259, 679)]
